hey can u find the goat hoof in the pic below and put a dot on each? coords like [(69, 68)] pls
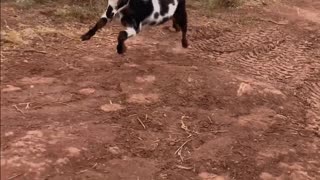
[(185, 43), (85, 37), (121, 48), (176, 28)]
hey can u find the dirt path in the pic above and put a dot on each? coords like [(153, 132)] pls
[(242, 103)]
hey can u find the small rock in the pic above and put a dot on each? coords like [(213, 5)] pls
[(73, 151), (210, 176), (143, 98), (146, 79), (273, 91), (87, 91), (266, 176), (131, 65), (62, 161), (279, 116), (111, 107), (8, 134), (244, 88), (207, 176), (89, 58), (194, 68), (220, 178), (190, 79), (114, 150), (11, 88)]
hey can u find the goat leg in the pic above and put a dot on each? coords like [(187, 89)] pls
[(100, 24)]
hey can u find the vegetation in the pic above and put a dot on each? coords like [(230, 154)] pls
[(79, 9), (222, 3)]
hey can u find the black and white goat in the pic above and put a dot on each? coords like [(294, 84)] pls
[(134, 14)]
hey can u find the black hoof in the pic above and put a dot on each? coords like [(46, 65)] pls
[(176, 27), (185, 43), (85, 37), (121, 48)]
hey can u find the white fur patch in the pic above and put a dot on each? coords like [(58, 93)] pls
[(156, 9), (113, 4), (131, 32)]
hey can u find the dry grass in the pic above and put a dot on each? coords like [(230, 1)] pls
[(212, 4), (29, 3), (71, 9)]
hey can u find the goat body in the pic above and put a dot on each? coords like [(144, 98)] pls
[(134, 14)]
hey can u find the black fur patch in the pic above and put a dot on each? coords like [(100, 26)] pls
[(121, 3), (156, 15), (152, 23), (109, 13), (136, 13), (164, 20)]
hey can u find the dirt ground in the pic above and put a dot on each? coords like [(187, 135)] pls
[(243, 102)]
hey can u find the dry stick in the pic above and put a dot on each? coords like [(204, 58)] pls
[(272, 21), (27, 105), (144, 127), (182, 146), (82, 171), (36, 51), (210, 120), (15, 176), (184, 167), (28, 50), (219, 131), (16, 107), (7, 26), (94, 165)]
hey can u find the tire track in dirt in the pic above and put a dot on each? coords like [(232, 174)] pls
[(268, 53)]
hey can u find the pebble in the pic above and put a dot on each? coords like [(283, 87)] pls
[(11, 88), (210, 176), (111, 107), (244, 88), (87, 91), (114, 150)]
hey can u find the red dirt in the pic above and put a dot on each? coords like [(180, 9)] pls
[(241, 103)]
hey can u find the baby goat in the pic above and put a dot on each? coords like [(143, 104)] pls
[(134, 14)]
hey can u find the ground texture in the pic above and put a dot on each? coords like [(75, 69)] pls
[(243, 102)]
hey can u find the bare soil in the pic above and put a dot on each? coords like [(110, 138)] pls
[(243, 102)]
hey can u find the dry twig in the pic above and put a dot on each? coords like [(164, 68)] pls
[(82, 171), (28, 50), (274, 22), (27, 105), (7, 26), (144, 127), (210, 119), (185, 128), (184, 167), (219, 131), (94, 165), (180, 148), (16, 107), (15, 176)]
